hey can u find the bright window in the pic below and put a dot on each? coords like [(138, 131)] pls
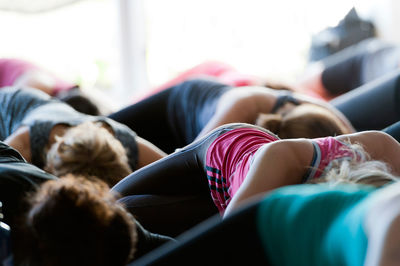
[(80, 42)]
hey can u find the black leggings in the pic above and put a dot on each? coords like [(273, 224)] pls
[(393, 130), (373, 106), (174, 117), (233, 241), (149, 119), (171, 195)]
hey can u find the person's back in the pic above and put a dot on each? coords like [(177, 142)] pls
[(16, 104), (31, 119)]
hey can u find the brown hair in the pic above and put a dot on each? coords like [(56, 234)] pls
[(303, 121), (76, 221), (88, 150)]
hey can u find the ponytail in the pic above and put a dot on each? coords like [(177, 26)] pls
[(272, 122)]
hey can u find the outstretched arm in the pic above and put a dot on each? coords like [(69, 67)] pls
[(275, 165)]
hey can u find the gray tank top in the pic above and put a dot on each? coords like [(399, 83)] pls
[(38, 111)]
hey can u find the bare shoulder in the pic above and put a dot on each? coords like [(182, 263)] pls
[(291, 154), (366, 136), (261, 98), (299, 149), (376, 143), (276, 164)]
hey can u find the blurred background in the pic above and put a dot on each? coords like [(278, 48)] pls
[(121, 49)]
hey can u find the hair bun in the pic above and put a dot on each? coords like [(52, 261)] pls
[(272, 122)]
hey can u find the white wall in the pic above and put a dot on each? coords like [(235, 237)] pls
[(132, 50)]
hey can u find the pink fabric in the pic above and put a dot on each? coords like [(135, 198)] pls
[(228, 161), (11, 69), (229, 158), (327, 150)]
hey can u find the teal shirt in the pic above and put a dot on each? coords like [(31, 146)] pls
[(314, 225)]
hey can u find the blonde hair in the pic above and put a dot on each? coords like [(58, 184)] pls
[(358, 170), (77, 221), (88, 150), (303, 121)]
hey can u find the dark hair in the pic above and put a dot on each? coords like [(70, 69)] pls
[(76, 221)]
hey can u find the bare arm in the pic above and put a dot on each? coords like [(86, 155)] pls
[(379, 145), (241, 105), (20, 140), (275, 165), (148, 152)]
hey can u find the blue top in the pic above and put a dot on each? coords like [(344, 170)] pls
[(314, 225), (40, 112)]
